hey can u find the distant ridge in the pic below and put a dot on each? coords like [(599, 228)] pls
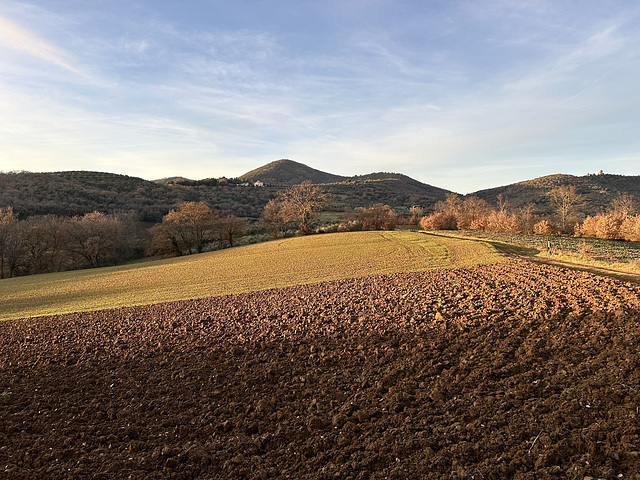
[(598, 190), (171, 180), (287, 172), (78, 192), (395, 189)]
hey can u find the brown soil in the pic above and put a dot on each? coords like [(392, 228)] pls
[(514, 370)]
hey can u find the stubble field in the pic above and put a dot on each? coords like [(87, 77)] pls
[(506, 370), (280, 263)]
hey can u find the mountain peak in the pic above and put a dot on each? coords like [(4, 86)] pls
[(289, 172)]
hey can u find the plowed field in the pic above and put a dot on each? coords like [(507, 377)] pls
[(510, 370)]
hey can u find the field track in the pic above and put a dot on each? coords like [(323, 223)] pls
[(619, 271), (508, 370)]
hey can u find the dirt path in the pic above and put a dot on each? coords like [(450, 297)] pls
[(524, 254), (528, 254)]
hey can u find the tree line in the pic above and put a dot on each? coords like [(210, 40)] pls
[(51, 243), (192, 227), (621, 221)]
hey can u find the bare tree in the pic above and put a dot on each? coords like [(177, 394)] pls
[(8, 220), (298, 203), (631, 228), (624, 205), (231, 228), (377, 217), (94, 239), (43, 239), (452, 206), (471, 212), (502, 221), (566, 201), (276, 220), (416, 214), (186, 229), (503, 204), (302, 201), (527, 218), (439, 221)]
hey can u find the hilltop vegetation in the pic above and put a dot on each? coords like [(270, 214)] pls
[(396, 190), (78, 193), (598, 191), (287, 172)]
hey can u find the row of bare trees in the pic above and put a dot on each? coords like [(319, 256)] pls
[(620, 222), (292, 210), (474, 213), (192, 227), (50, 243)]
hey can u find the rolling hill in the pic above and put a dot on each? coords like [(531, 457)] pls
[(287, 172), (395, 189), (172, 180), (79, 192), (237, 270), (598, 190)]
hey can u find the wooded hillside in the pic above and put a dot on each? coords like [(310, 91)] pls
[(598, 190)]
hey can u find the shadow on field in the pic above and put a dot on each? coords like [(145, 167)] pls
[(531, 255)]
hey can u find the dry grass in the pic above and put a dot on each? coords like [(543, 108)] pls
[(273, 264)]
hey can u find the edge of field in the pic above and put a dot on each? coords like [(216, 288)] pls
[(275, 264), (614, 270)]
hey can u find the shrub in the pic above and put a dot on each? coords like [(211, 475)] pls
[(328, 228), (606, 226), (377, 217), (630, 228), (350, 226), (501, 221), (439, 221), (416, 214), (588, 227), (544, 227), (479, 224)]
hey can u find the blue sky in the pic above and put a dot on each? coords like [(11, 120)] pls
[(463, 95)]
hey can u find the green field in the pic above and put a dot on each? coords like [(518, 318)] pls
[(278, 263)]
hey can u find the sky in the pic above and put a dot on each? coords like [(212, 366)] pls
[(460, 94)]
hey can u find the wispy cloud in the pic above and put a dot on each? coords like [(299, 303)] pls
[(19, 38), (570, 61), (443, 92)]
